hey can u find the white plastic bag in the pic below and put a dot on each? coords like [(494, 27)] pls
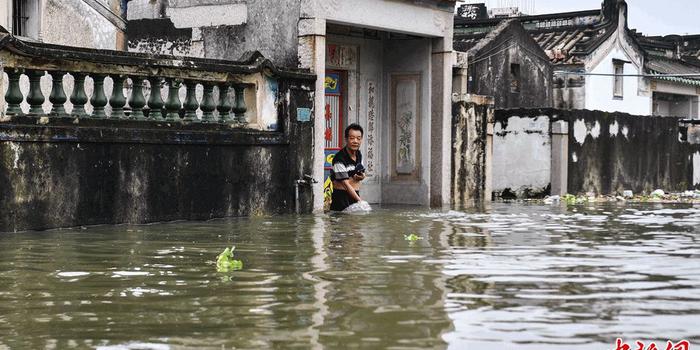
[(358, 208)]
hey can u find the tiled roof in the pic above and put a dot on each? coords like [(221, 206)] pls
[(565, 37), (663, 65), (683, 46), (672, 54)]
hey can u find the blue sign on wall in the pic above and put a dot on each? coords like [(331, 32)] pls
[(332, 83), (303, 114)]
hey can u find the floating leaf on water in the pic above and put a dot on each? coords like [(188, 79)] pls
[(412, 237), (226, 263)]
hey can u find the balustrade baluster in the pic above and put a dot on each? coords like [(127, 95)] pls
[(208, 105), (173, 103), (13, 96), (191, 104), (58, 95), (35, 98), (98, 99), (155, 101), (240, 108), (137, 101), (78, 97), (117, 100), (224, 106)]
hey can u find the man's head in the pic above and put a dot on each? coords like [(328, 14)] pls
[(353, 136)]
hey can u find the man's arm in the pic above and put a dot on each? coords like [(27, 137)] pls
[(359, 177), (351, 190)]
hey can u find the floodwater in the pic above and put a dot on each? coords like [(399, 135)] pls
[(511, 276)]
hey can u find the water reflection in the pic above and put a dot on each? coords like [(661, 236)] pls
[(510, 276), (574, 279), (383, 294)]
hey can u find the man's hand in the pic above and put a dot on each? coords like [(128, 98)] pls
[(359, 176), (351, 190)]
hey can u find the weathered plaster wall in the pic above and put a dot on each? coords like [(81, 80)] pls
[(68, 22), (612, 152), (110, 171), (521, 155), (490, 71), (607, 152), (569, 91), (161, 37), (74, 23), (470, 152), (224, 29)]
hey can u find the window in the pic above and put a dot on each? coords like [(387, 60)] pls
[(514, 78), (19, 17), (619, 69), (25, 18)]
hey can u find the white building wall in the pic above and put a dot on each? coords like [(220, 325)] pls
[(5, 15), (75, 23), (599, 89), (522, 152), (65, 22)]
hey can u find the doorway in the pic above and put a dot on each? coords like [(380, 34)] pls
[(335, 91)]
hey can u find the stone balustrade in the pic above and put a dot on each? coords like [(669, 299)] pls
[(60, 81), (97, 137)]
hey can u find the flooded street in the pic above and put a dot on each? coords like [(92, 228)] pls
[(512, 276)]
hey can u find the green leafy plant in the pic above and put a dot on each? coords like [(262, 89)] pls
[(571, 199), (412, 237), (226, 263)]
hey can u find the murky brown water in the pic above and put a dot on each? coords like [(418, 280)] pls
[(513, 276)]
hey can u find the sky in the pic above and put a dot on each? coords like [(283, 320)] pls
[(651, 17)]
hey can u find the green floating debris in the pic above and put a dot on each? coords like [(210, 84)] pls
[(570, 199), (412, 237), (226, 263)]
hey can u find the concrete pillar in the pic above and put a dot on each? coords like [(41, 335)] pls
[(459, 81), (312, 55), (442, 59), (488, 162), (560, 157)]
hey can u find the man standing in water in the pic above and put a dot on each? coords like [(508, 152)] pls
[(348, 171)]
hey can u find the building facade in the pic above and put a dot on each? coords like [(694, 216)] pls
[(386, 65), (601, 64), (508, 65), (95, 24)]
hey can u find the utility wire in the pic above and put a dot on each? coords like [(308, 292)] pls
[(661, 75)]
